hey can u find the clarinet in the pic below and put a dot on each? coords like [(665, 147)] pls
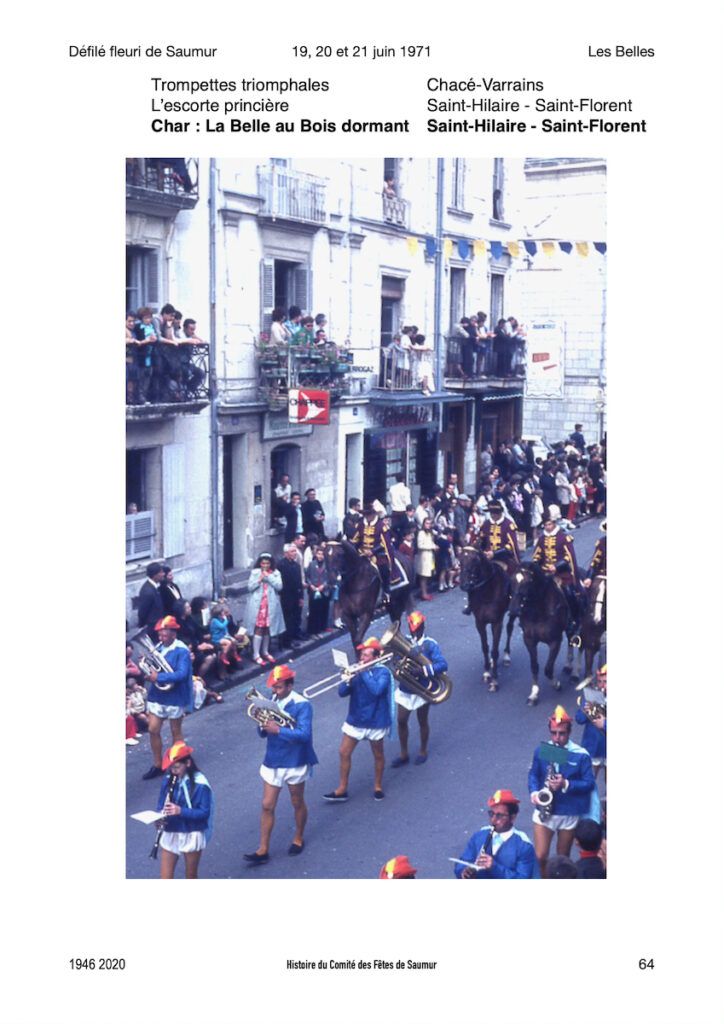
[(488, 845), (161, 827)]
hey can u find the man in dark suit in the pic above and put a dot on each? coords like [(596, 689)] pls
[(150, 601), (351, 521), (313, 514), (294, 517), (291, 597)]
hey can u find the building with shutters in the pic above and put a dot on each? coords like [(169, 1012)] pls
[(330, 237)]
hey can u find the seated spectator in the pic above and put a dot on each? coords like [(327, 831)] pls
[(136, 703), (588, 837), (133, 672), (223, 642), (198, 641)]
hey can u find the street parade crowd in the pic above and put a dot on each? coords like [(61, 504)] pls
[(522, 501)]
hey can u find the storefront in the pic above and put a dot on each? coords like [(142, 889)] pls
[(402, 439)]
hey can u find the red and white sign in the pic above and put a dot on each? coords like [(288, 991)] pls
[(307, 406)]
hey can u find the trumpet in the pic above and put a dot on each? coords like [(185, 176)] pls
[(264, 711), (153, 661), (592, 709), (343, 675)]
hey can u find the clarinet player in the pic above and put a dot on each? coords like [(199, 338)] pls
[(187, 804), (499, 850)]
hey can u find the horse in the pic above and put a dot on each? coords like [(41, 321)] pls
[(359, 588), (543, 619), (487, 584), (593, 625)]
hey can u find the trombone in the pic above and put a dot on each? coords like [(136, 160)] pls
[(344, 673)]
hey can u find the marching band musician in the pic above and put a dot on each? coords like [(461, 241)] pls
[(407, 700), (598, 561), (554, 553), (572, 784), (499, 850), (373, 539), (170, 703), (370, 717), (289, 759), (593, 738), (188, 817)]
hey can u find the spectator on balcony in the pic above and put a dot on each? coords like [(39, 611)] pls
[(306, 335), (388, 188), (313, 514), (517, 344), (133, 368), (320, 322), (468, 343), (150, 601), (425, 378), (293, 324), (147, 338), (191, 376), (294, 517), (399, 352), (501, 348), (279, 335)]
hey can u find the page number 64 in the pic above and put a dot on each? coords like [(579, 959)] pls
[(645, 964)]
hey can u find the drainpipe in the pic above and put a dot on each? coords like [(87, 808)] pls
[(213, 388), (439, 333)]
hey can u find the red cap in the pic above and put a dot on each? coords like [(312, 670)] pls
[(415, 620), (279, 674), (559, 715), (398, 867), (176, 752), (502, 796), (167, 622), (371, 644)]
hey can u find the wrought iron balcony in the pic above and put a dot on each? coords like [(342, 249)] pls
[(161, 185), (395, 211), (292, 195), (406, 369), (488, 362), (282, 367), (165, 379)]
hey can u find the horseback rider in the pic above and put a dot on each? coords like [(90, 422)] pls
[(498, 533), (598, 561), (372, 538), (555, 554)]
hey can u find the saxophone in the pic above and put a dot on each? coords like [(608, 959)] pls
[(545, 796)]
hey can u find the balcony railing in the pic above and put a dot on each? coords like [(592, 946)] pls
[(162, 184), (292, 195), (282, 367), (396, 211), (490, 359), (162, 374), (406, 369)]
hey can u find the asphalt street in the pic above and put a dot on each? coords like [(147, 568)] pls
[(479, 742)]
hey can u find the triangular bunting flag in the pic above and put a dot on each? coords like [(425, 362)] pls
[(463, 248), (514, 249), (430, 247), (479, 247), (531, 248), (582, 248), (600, 247), (566, 246), (496, 250), (548, 248), (412, 244), (447, 248)]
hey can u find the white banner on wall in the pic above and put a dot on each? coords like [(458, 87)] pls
[(545, 360)]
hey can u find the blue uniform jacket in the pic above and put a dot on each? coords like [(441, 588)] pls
[(515, 858), (593, 740), (579, 773), (431, 649), (181, 694), (197, 808), (292, 748), (372, 698)]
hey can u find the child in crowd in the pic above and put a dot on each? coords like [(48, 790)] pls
[(222, 640), (136, 703)]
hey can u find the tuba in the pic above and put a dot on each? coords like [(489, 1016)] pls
[(263, 711), (407, 668), (153, 661)]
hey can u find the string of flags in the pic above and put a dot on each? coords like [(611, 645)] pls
[(480, 246)]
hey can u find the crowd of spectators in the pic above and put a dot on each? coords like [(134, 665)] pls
[(407, 362), (499, 352), (159, 357)]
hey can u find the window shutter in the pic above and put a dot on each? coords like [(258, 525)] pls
[(301, 279), (173, 499), (151, 261), (267, 295), (139, 536)]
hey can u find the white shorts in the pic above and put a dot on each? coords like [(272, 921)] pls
[(164, 710), (411, 701), (183, 842), (598, 761), (279, 776), (363, 734), (556, 822)]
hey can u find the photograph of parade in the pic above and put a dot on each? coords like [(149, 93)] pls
[(366, 477)]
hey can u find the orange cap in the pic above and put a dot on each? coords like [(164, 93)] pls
[(176, 752), (279, 674), (398, 867)]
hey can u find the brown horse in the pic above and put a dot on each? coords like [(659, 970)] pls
[(359, 585), (543, 619), (487, 584), (593, 625)]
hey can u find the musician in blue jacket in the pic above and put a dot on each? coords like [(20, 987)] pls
[(408, 700), (188, 809), (288, 760), (170, 694), (499, 850), (370, 717), (572, 784)]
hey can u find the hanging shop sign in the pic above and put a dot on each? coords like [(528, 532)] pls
[(408, 416), (308, 406)]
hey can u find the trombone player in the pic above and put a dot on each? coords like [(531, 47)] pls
[(370, 716), (409, 701), (289, 759)]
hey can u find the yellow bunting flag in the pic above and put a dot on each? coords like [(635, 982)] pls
[(412, 244), (582, 248), (447, 248), (514, 249), (548, 248), (479, 247)]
